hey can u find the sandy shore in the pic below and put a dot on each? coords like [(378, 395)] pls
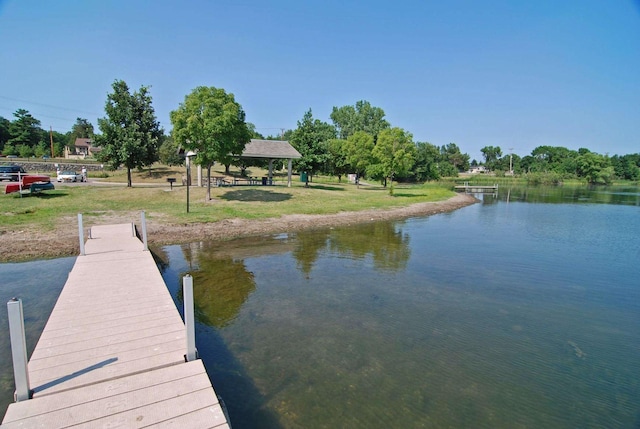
[(63, 240)]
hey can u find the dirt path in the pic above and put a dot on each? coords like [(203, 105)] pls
[(63, 239)]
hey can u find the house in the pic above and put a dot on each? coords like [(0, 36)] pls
[(81, 149), (478, 169)]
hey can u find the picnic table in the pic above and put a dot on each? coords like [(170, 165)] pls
[(246, 180), (219, 181)]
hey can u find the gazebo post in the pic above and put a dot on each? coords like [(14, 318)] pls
[(270, 170), (289, 173)]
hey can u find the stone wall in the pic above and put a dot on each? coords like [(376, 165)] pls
[(50, 166)]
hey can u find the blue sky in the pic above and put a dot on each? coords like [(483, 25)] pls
[(514, 74)]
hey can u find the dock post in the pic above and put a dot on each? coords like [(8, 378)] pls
[(18, 349), (81, 234), (144, 231), (189, 319)]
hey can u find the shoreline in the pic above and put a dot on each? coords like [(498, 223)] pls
[(62, 241)]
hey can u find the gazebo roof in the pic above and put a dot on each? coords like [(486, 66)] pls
[(270, 149)]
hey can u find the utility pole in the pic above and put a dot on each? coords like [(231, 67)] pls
[(51, 139), (511, 161)]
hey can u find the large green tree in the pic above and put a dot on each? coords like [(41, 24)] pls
[(311, 139), (359, 153), (394, 154), (24, 129), (459, 161), (130, 132), (212, 124), (491, 155), (337, 163), (555, 159), (595, 168), (426, 165), (361, 117)]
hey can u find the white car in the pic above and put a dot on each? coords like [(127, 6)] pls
[(70, 176)]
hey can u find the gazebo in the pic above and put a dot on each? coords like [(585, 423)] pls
[(272, 149)]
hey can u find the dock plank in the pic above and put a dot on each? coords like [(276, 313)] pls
[(138, 401), (112, 351)]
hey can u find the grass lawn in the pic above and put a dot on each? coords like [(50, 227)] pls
[(151, 193)]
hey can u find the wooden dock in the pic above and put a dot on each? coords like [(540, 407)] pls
[(476, 189), (112, 353)]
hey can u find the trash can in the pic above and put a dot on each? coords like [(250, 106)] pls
[(303, 176), (264, 181)]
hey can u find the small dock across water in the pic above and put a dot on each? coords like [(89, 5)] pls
[(112, 353), (473, 189)]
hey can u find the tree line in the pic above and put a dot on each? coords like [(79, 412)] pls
[(25, 138), (556, 163), (212, 124)]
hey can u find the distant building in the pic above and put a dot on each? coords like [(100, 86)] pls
[(478, 169), (81, 149)]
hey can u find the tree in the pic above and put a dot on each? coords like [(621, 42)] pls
[(24, 130), (451, 154), (211, 123), (595, 168), (59, 142), (9, 149), (627, 167), (511, 161), (168, 152), (359, 152), (337, 160), (361, 117), (556, 159), (42, 148), (394, 154), (255, 134), (130, 132), (310, 139), (4, 132), (491, 155), (24, 151), (82, 129), (426, 165)]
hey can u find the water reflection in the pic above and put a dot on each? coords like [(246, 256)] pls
[(222, 282), (618, 195), (308, 248), (385, 242)]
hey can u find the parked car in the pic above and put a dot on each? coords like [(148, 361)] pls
[(70, 176), (11, 172)]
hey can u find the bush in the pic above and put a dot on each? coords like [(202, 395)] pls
[(548, 178)]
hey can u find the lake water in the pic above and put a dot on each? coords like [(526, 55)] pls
[(522, 311)]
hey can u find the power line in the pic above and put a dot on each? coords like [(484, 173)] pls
[(38, 115), (49, 105)]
